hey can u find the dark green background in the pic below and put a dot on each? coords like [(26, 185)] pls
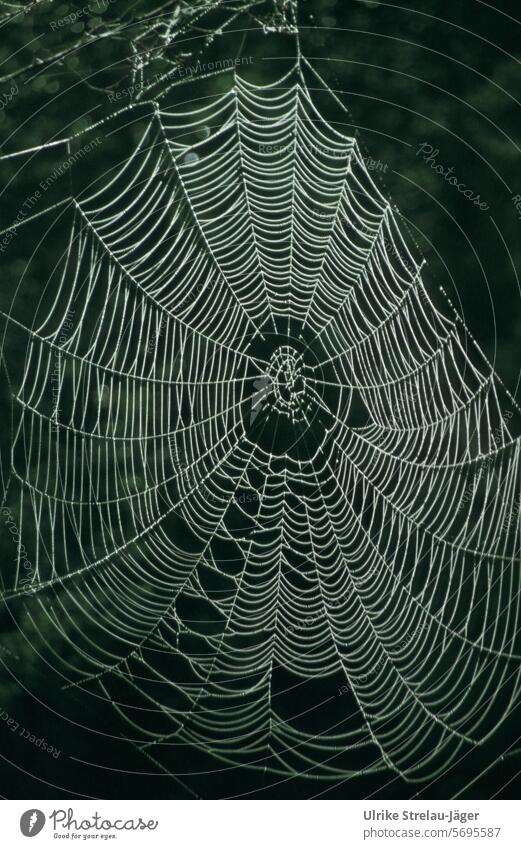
[(447, 74)]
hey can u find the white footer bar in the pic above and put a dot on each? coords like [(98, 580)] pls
[(261, 824)]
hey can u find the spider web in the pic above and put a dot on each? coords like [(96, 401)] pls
[(268, 490)]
